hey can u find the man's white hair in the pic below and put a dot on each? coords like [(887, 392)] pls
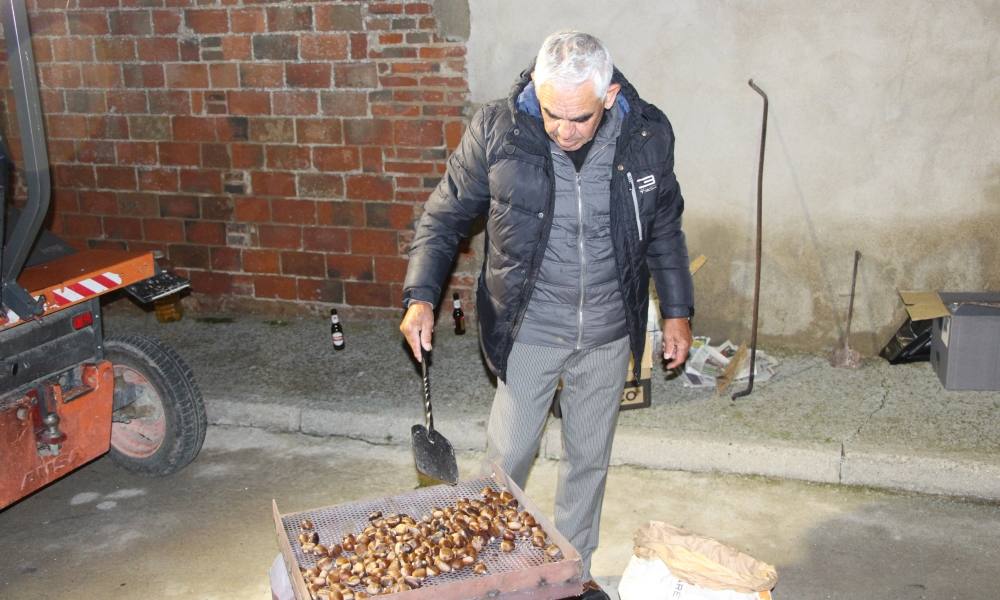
[(571, 58)]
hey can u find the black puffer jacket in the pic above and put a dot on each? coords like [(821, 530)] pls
[(502, 169)]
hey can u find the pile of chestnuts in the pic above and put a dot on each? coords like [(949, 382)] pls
[(395, 553)]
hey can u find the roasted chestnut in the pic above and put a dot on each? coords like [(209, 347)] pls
[(395, 553)]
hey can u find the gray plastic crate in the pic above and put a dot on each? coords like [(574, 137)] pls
[(965, 347)]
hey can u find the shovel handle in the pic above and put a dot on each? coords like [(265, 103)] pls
[(428, 415), (850, 308)]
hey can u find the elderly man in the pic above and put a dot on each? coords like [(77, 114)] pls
[(574, 174)]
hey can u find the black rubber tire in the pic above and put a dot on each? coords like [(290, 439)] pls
[(183, 407)]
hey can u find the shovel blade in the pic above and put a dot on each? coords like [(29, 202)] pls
[(434, 455)]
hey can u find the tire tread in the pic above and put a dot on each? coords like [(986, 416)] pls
[(181, 390)]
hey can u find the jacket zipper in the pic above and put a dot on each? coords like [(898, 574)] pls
[(635, 203)]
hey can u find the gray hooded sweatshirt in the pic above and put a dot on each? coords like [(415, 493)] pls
[(576, 302)]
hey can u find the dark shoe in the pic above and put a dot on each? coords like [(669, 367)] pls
[(592, 591)]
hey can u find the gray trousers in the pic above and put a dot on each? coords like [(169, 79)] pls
[(593, 380)]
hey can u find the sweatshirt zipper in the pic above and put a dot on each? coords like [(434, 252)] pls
[(635, 203), (580, 241), (583, 261)]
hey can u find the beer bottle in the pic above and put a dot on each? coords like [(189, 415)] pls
[(168, 309), (458, 315), (336, 331)]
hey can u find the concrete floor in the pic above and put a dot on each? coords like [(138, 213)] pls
[(206, 533)]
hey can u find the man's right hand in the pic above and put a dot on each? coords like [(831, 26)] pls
[(418, 327)]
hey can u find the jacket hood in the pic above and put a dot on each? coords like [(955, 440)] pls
[(522, 98), (527, 102)]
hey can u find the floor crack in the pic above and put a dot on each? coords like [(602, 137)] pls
[(357, 438), (386, 442), (884, 385)]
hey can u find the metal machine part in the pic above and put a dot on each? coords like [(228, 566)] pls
[(57, 372), (38, 349), (158, 286), (52, 438), (21, 65), (84, 432)]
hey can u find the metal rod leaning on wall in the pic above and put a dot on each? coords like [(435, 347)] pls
[(760, 214)]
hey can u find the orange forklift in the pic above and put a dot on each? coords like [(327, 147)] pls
[(68, 394)]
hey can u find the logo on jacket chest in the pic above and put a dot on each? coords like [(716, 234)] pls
[(646, 183)]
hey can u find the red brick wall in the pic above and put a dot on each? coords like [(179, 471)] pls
[(275, 151)]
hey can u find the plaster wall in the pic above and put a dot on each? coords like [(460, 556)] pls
[(882, 137)]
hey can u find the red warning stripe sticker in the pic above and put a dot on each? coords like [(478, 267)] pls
[(72, 293), (86, 288)]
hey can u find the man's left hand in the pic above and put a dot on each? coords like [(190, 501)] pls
[(676, 341)]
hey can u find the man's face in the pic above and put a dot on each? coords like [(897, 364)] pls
[(572, 114)]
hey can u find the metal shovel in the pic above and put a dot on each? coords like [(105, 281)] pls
[(433, 454), (843, 355)]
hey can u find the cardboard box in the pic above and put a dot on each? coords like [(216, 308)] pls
[(637, 393), (965, 344)]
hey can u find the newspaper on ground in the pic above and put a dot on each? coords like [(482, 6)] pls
[(706, 363)]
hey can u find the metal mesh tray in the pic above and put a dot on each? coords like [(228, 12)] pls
[(524, 573)]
